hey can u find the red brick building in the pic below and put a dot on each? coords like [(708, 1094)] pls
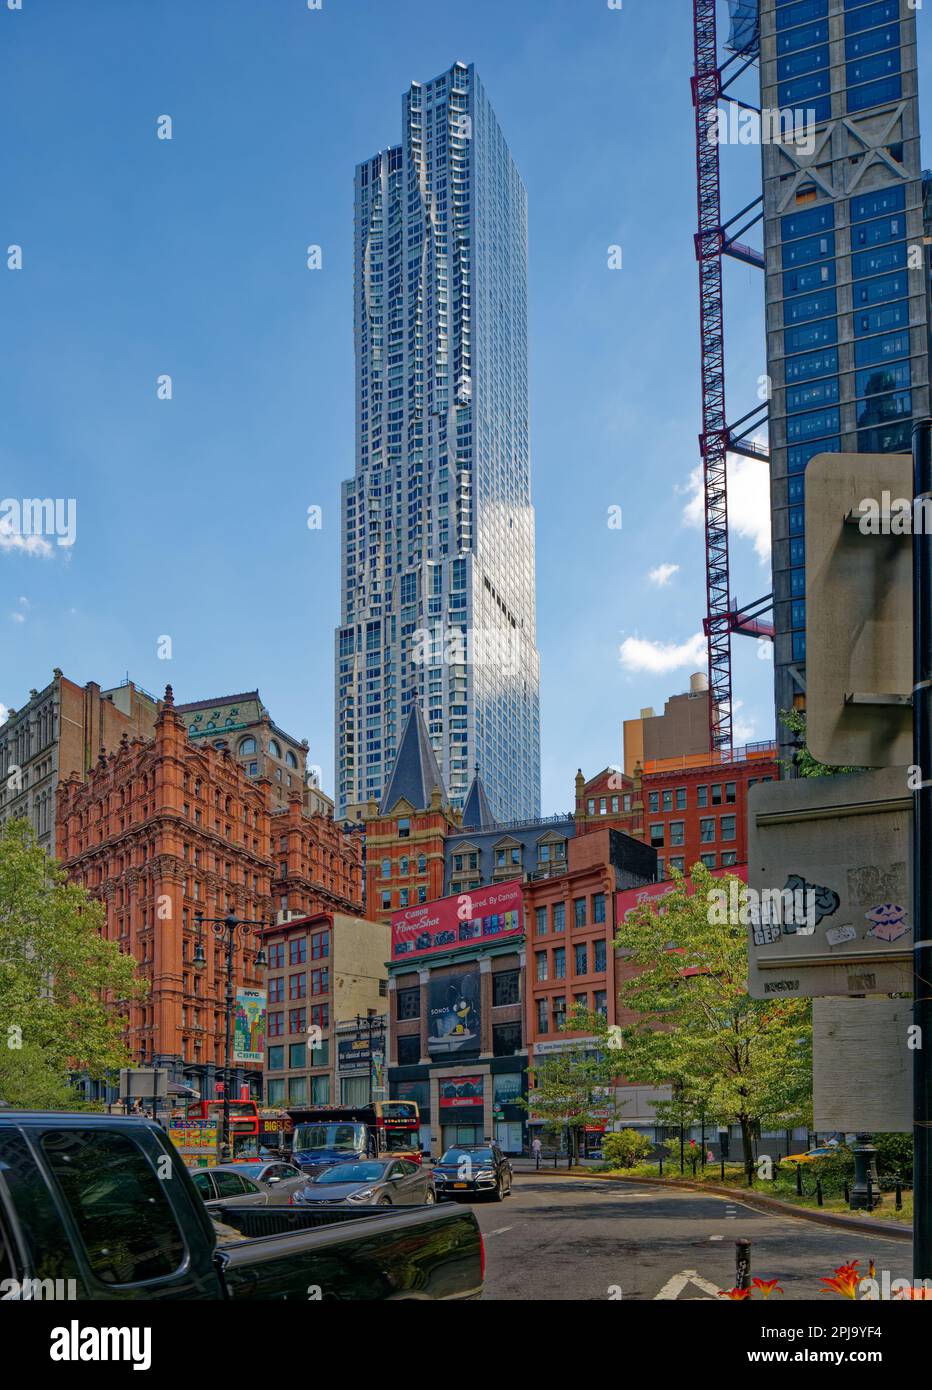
[(691, 808), (166, 828), (406, 832), (570, 923), (317, 867)]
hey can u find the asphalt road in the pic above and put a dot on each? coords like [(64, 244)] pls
[(578, 1238)]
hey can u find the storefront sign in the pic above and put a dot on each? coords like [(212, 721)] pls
[(460, 1091), (485, 914)]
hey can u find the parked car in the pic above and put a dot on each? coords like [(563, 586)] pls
[(274, 1180), (374, 1182), (810, 1156), (83, 1197), (468, 1168)]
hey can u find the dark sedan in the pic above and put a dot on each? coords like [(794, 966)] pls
[(374, 1182), (467, 1169)]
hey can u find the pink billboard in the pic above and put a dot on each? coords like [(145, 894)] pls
[(630, 898), (484, 914)]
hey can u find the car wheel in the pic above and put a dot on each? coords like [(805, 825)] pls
[(429, 1198), (499, 1193), (384, 1201)]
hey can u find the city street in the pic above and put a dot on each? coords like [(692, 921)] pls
[(573, 1238)]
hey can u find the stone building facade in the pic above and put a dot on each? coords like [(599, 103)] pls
[(59, 731)]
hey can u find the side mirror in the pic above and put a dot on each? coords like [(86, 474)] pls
[(275, 1179)]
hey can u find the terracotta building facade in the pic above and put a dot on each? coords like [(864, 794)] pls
[(163, 830)]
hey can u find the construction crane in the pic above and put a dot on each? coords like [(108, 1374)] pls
[(714, 239)]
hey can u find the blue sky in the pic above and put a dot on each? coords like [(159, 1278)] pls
[(144, 256)]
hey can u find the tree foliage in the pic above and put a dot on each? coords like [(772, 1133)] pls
[(727, 1056), (61, 983), (626, 1148), (573, 1086)]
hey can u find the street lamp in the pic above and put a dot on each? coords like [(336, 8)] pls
[(369, 1020), (228, 927)]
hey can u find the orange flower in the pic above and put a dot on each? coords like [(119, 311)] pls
[(846, 1282), (767, 1286), (736, 1294)]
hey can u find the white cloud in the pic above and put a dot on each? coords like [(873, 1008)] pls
[(4, 714), (18, 617), (748, 501), (742, 730), (663, 574), (657, 658), (27, 545)]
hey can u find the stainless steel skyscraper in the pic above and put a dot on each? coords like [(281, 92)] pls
[(438, 590), (847, 331)]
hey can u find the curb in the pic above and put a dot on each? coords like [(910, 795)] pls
[(773, 1207)]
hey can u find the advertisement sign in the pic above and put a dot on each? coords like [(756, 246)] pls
[(355, 1054), (249, 1026), (485, 914), (454, 1014), (506, 1090), (460, 1090), (630, 898), (193, 1134)]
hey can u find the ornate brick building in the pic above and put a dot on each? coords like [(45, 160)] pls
[(166, 828), (317, 866)]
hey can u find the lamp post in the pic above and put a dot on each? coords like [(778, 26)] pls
[(228, 927), (369, 1021)]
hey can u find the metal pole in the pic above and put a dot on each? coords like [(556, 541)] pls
[(228, 1046), (742, 1264), (922, 859)]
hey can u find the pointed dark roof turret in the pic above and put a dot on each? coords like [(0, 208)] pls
[(415, 772), (477, 813)]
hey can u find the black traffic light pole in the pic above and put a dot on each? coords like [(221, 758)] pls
[(922, 853)]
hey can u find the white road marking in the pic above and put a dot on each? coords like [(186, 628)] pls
[(716, 1237), (675, 1286), (501, 1230)]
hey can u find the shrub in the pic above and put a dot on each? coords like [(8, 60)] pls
[(626, 1149)]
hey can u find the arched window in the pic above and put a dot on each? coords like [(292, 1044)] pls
[(247, 745), (274, 749), (290, 759)]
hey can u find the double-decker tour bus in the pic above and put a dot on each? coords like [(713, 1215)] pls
[(322, 1135), (196, 1131)]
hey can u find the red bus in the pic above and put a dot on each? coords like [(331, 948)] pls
[(244, 1123)]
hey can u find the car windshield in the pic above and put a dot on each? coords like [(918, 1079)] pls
[(474, 1155), (352, 1172), (345, 1138)]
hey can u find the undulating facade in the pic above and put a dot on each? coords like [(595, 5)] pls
[(437, 582)]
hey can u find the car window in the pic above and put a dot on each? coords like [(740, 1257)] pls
[(123, 1217), (250, 1186), (39, 1222), (203, 1184), (229, 1184)]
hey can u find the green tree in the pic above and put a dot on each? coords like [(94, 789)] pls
[(744, 1060), (63, 987), (574, 1086), (804, 764)]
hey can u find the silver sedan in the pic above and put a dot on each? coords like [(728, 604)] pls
[(374, 1182), (259, 1184)]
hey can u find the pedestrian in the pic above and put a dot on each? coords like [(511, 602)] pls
[(536, 1148)]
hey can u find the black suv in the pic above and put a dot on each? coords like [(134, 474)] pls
[(471, 1168)]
